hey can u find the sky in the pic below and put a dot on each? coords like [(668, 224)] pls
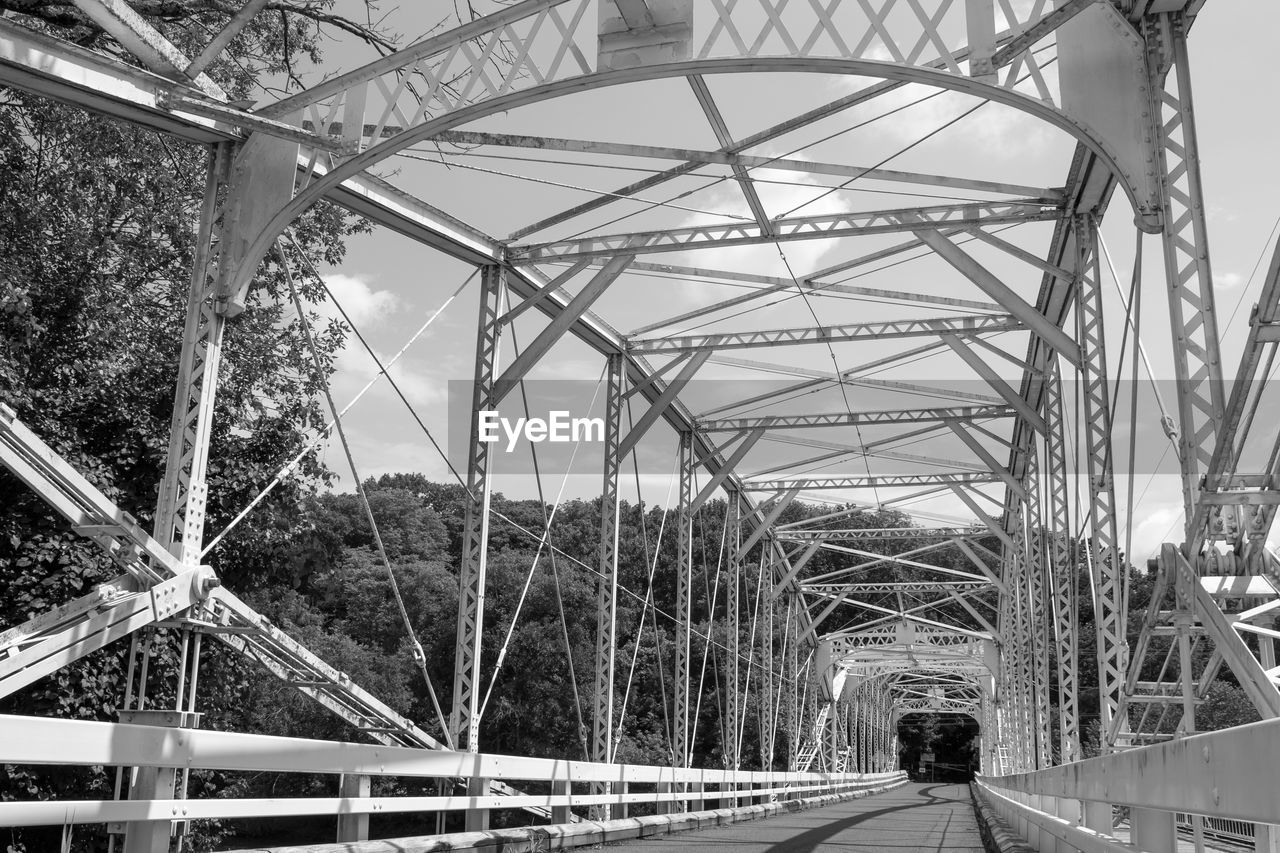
[(391, 286)]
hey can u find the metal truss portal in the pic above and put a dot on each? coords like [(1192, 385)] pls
[(927, 611)]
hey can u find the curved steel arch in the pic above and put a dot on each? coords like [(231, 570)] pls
[(231, 291)]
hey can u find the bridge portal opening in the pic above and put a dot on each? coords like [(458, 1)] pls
[(938, 746)]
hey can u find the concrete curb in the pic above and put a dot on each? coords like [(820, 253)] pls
[(997, 836), (568, 835)]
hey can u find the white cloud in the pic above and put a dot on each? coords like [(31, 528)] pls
[(1155, 526), (1227, 280), (363, 304)]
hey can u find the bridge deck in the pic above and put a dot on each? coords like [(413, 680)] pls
[(930, 817)]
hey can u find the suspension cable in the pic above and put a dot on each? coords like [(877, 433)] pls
[(419, 656), (653, 616), (711, 597), (453, 469), (284, 472), (528, 580), (648, 597)]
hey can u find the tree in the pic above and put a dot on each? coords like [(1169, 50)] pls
[(96, 240)]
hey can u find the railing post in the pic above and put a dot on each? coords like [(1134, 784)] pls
[(1097, 816), (620, 810), (477, 819), (154, 783), (562, 814), (1048, 842), (354, 827), (1154, 831)]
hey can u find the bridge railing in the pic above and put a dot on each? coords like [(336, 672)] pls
[(1230, 776), (163, 747)]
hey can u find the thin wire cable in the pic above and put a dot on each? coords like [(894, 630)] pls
[(458, 477), (395, 386), (555, 572), (711, 598), (657, 635), (552, 161), (528, 580), (284, 472), (419, 656), (648, 597), (562, 185)]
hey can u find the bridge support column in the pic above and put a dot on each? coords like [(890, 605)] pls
[(1189, 275), (684, 600), (1105, 564), (768, 717), (1061, 572), (1038, 609), (475, 535), (791, 675), (1266, 838), (602, 734), (732, 608), (354, 827)]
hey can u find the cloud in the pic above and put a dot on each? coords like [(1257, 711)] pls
[(363, 304), (1155, 526), (1227, 280)]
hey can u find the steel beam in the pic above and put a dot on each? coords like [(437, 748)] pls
[(847, 419), (533, 353), (886, 481), (924, 220), (464, 720), (180, 509), (1197, 359), (1105, 565), (607, 582), (1062, 573), (991, 285), (944, 326), (725, 157), (684, 603)]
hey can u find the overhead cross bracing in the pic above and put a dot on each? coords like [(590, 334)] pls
[(848, 183)]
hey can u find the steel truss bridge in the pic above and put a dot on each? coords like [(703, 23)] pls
[(1009, 295)]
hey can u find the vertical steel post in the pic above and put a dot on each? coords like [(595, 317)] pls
[(1038, 611), (684, 601), (1062, 572), (180, 509), (766, 653), (791, 679), (1189, 275), (607, 583), (475, 535), (732, 610), (1108, 574)]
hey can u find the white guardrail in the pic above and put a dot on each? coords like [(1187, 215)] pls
[(1230, 777), (38, 740)]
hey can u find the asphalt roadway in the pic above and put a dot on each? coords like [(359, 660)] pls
[(917, 816)]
